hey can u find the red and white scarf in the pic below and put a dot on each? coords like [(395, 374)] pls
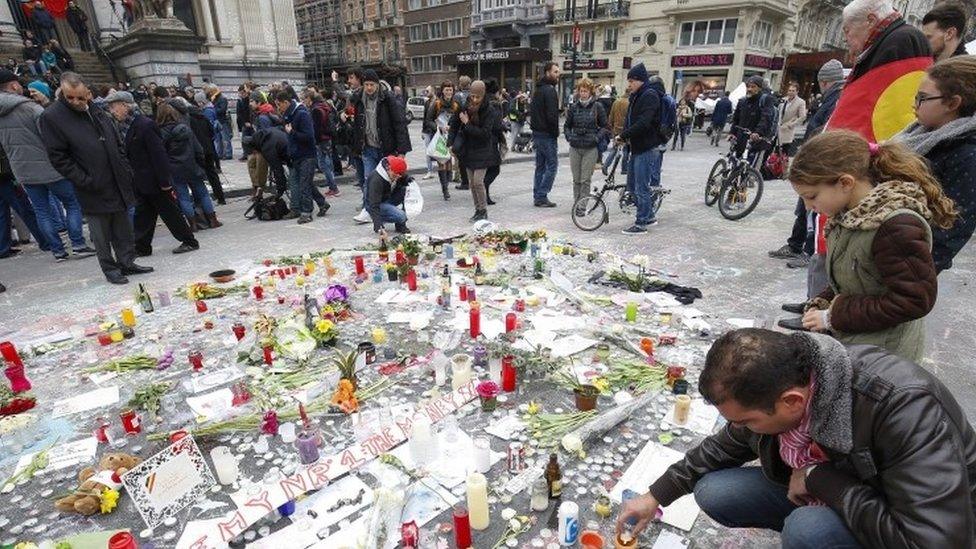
[(797, 447)]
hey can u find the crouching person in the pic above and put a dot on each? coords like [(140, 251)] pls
[(386, 190)]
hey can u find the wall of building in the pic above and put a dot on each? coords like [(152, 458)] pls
[(433, 29)]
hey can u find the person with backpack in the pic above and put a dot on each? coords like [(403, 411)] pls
[(685, 117), (203, 123), (185, 160), (642, 131), (324, 123)]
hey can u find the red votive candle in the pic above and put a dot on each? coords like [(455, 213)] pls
[(508, 373), (474, 317), (360, 265), (511, 321), (9, 353), (201, 306), (462, 527)]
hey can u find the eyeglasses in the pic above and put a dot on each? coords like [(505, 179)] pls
[(922, 98)]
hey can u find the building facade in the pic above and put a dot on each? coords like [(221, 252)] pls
[(697, 47), (374, 37), (509, 41), (434, 30), (320, 32)]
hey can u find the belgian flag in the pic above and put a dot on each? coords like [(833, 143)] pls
[(881, 102)]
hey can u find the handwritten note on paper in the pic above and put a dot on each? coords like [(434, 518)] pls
[(169, 481), (105, 396), (62, 456), (650, 464)]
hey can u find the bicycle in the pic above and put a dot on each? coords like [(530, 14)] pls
[(590, 212), (732, 181)]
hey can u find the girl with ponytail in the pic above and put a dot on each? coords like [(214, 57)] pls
[(880, 200)]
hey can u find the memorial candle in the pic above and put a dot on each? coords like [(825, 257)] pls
[(308, 452), (631, 311), (360, 265), (258, 292), (462, 527), (474, 319), (268, 359), (508, 373), (196, 360), (9, 353), (238, 331), (201, 306), (412, 280), (477, 494), (511, 321), (463, 292)]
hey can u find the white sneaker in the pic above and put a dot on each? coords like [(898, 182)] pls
[(430, 175), (362, 217)]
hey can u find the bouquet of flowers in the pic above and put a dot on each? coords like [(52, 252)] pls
[(488, 393), (336, 306)]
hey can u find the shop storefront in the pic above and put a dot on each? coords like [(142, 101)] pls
[(597, 70), (514, 68), (767, 67), (802, 68), (696, 75)]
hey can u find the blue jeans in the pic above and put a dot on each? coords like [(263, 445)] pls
[(743, 497), (222, 141), (624, 159), (10, 198), (546, 162), (323, 154), (57, 214), (40, 196), (200, 196), (300, 186), (370, 159), (644, 173), (391, 213)]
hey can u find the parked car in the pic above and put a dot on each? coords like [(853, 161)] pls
[(415, 108)]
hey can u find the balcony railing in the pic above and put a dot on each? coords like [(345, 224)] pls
[(510, 14), (611, 10)]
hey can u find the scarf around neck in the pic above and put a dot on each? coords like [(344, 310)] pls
[(883, 200), (922, 140)]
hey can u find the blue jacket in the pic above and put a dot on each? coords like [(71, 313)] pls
[(301, 139), (954, 165), (723, 108), (818, 120), (641, 127)]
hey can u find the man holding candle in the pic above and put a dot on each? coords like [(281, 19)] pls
[(856, 447)]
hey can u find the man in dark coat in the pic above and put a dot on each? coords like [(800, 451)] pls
[(244, 115), (151, 177), (43, 23), (272, 144), (642, 133), (301, 151), (78, 21), (84, 147), (544, 119), (379, 128), (755, 116)]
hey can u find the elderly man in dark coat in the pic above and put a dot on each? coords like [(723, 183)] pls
[(84, 147), (151, 182)]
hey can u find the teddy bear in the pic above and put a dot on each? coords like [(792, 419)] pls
[(87, 499)]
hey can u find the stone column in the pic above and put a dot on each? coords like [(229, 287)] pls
[(7, 26), (203, 9), (110, 16), (286, 30), (252, 30)]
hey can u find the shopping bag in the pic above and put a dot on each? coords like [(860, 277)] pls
[(413, 201), (437, 148)]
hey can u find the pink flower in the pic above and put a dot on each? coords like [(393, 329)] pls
[(487, 389)]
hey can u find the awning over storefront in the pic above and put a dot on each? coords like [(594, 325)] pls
[(499, 55)]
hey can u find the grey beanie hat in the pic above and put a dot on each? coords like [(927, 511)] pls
[(831, 71), (200, 98)]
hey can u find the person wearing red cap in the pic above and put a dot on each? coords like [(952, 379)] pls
[(386, 189)]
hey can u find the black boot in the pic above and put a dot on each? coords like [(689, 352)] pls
[(479, 215), (445, 177), (488, 194)]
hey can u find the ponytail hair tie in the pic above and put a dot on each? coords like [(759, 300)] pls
[(873, 149)]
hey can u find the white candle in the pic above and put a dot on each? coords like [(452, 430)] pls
[(287, 432), (477, 490), (460, 370), (420, 442), (482, 454), (225, 465)]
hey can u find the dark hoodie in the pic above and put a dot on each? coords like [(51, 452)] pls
[(184, 152)]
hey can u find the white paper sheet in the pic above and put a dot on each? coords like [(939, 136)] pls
[(669, 540), (211, 405), (506, 428), (551, 320), (742, 322), (570, 345), (62, 456), (205, 382), (653, 460), (105, 396)]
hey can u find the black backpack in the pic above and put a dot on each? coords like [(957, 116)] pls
[(270, 208)]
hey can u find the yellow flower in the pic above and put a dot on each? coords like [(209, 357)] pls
[(110, 499), (324, 326), (26, 545), (601, 384), (534, 407)]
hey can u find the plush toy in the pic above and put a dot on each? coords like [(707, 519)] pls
[(98, 486)]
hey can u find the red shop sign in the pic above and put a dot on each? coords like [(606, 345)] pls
[(707, 60)]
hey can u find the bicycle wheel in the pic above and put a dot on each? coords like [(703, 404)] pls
[(590, 212), (740, 195), (658, 198), (626, 200), (714, 181)]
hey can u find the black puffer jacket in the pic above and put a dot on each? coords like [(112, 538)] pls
[(479, 146), (583, 123), (203, 130), (909, 479), (184, 152), (954, 165), (643, 120), (84, 147)]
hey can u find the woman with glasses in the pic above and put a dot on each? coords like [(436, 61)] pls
[(945, 134)]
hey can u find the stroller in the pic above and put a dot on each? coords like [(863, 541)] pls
[(523, 141)]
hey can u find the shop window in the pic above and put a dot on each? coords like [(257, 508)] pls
[(610, 39), (762, 31)]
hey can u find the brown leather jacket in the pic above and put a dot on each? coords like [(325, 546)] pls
[(909, 479), (903, 257)]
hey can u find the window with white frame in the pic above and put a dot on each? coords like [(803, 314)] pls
[(436, 63), (455, 28), (588, 39), (567, 40), (416, 64), (762, 32), (708, 33), (610, 38), (436, 32)]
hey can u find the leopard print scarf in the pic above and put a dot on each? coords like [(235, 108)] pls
[(884, 199)]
